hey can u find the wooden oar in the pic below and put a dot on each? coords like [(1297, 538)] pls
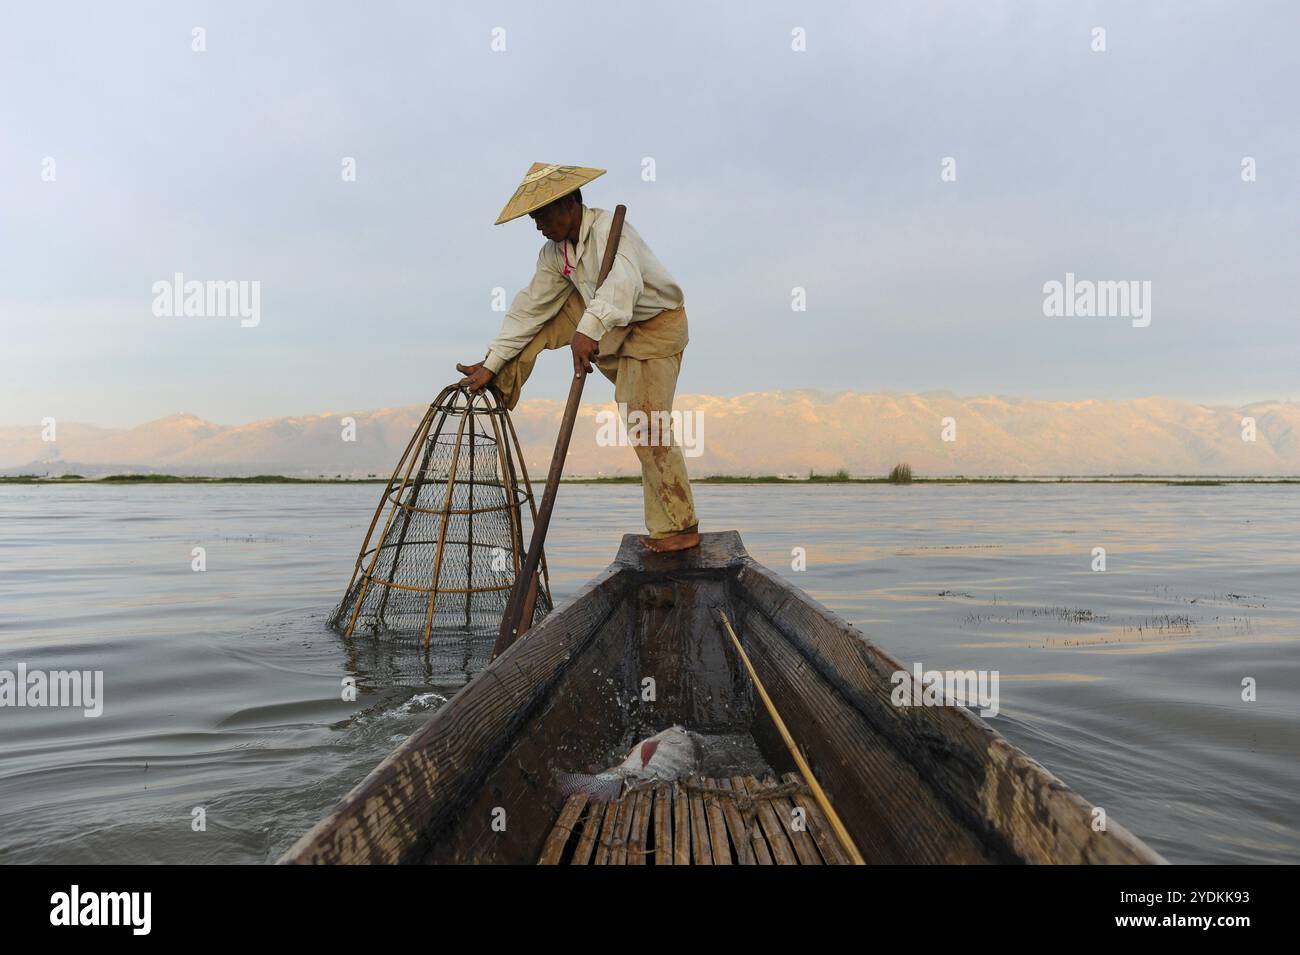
[(523, 596)]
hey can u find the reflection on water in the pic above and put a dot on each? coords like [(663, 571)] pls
[(225, 690)]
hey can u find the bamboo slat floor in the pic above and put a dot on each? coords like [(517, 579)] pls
[(735, 821)]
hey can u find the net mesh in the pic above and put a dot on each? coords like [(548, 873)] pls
[(449, 535)]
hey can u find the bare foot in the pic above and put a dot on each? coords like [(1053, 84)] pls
[(663, 545)]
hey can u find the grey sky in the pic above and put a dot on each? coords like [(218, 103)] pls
[(775, 169)]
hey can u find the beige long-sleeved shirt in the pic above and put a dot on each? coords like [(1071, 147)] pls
[(638, 287)]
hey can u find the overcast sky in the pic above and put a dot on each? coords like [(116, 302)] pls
[(774, 169)]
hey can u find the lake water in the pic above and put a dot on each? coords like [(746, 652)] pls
[(223, 688)]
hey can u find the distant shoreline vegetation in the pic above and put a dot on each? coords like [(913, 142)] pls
[(896, 477)]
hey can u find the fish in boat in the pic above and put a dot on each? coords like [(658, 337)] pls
[(639, 648), (671, 754)]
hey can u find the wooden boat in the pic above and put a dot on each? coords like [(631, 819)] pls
[(919, 784)]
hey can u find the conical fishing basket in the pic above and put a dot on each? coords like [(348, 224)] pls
[(447, 539)]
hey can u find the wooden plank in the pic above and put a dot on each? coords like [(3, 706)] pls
[(717, 824), (698, 680), (718, 553), (582, 853), (831, 851), (559, 837), (681, 826), (622, 832), (605, 835), (761, 854), (636, 850), (701, 852), (735, 824), (782, 852), (663, 825), (804, 846)]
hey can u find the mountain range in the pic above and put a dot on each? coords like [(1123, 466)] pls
[(770, 432)]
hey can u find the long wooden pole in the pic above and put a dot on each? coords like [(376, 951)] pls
[(527, 488), (523, 596)]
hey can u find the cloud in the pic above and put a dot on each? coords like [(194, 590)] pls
[(775, 169)]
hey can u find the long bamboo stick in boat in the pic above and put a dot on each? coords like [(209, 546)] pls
[(837, 825), (523, 598)]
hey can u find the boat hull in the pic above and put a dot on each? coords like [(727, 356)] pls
[(638, 649)]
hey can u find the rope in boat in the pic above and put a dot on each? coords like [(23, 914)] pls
[(837, 825), (747, 801), (743, 800)]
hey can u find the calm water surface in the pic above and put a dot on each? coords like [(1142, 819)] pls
[(222, 688)]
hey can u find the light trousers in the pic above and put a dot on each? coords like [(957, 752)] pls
[(644, 384)]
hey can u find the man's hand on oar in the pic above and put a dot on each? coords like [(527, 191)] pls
[(584, 352), (476, 376)]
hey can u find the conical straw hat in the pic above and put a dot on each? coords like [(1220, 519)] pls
[(546, 182)]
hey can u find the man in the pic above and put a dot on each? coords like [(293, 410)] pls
[(633, 329)]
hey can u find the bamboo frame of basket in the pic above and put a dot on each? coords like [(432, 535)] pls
[(454, 401)]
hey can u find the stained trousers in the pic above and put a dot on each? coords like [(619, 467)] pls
[(644, 384)]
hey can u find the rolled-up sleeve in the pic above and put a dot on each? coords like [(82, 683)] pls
[(532, 308), (611, 306)]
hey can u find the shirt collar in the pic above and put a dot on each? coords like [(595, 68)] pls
[(588, 218)]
